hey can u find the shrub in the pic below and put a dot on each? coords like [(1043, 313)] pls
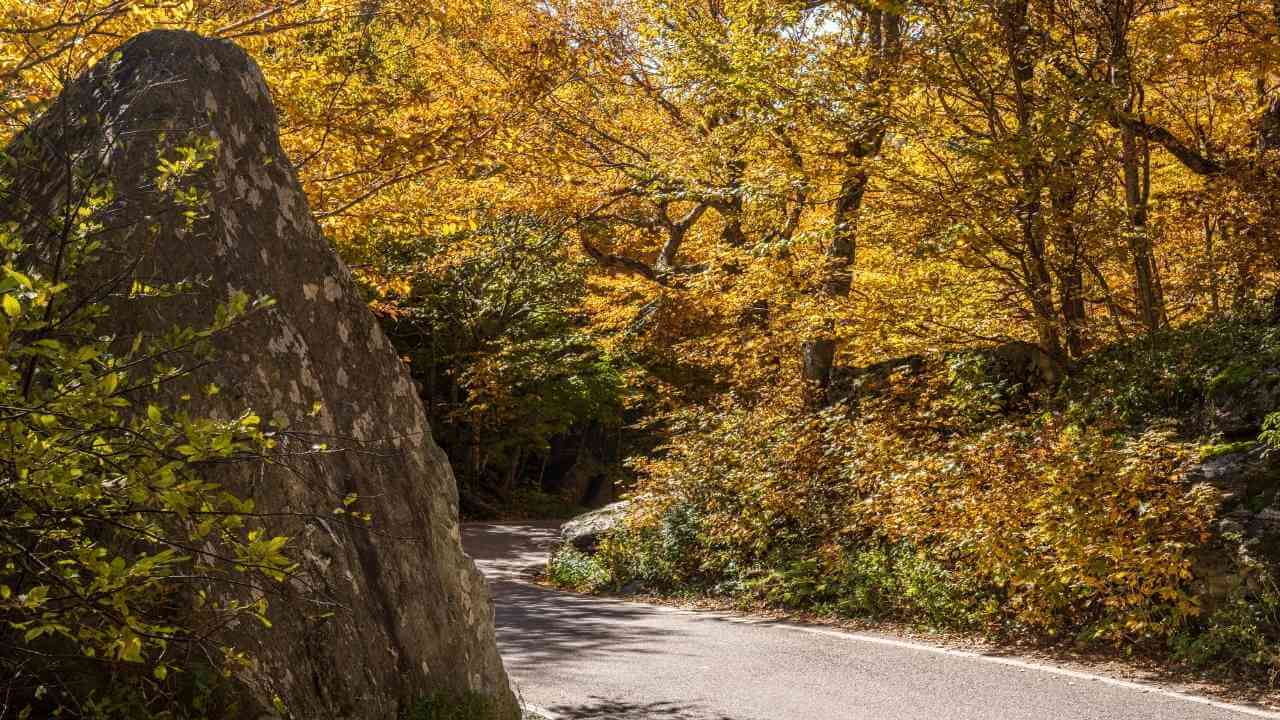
[(490, 319), (1168, 373), (110, 538), (1079, 531), (534, 503), (1239, 633), (572, 569), (976, 393), (875, 581), (1024, 521), (1243, 629), (1270, 435)]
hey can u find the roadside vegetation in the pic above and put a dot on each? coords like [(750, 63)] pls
[(946, 495), (106, 515), (516, 389), (959, 312), (454, 706)]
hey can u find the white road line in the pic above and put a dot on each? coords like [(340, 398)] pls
[(1254, 711), (1251, 710), (543, 713)]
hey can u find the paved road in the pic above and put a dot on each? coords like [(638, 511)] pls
[(578, 657)]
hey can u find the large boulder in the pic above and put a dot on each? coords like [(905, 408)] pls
[(1243, 473), (585, 531), (376, 616), (587, 482)]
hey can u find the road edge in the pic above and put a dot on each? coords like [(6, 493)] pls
[(1249, 709)]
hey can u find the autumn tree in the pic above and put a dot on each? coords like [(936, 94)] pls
[(874, 39)]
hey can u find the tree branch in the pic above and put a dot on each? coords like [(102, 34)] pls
[(1192, 159)]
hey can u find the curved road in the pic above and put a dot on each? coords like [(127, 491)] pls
[(578, 657)]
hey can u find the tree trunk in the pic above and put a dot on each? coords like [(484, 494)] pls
[(1064, 196), (1040, 294), (1211, 259), (1030, 175), (1137, 185), (818, 353), (732, 233), (884, 39), (1071, 302), (1136, 163)]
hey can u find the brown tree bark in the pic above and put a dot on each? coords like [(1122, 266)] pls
[(1064, 194), (818, 353), (1135, 158), (1016, 25), (884, 38)]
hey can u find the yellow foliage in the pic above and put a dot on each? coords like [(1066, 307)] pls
[(754, 180), (1061, 529)]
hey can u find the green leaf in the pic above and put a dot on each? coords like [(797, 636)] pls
[(12, 307), (18, 277), (131, 649)]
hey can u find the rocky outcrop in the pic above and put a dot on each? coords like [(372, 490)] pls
[(585, 531), (1242, 475), (1246, 533), (376, 616), (1245, 542), (1239, 398)]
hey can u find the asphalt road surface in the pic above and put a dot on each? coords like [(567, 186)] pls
[(578, 657)]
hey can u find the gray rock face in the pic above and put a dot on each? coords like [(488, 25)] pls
[(405, 612), (587, 482), (1239, 475), (585, 531), (1240, 399), (1247, 533)]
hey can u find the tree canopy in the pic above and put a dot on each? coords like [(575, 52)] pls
[(714, 222)]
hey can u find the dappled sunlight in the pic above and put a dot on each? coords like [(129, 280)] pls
[(578, 657), (602, 708), (537, 626), (509, 552)]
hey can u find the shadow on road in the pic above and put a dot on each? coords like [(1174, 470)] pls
[(510, 552), (537, 626), (561, 648), (603, 709)]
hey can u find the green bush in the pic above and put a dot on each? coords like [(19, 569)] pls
[(575, 570), (977, 394), (1241, 632), (533, 503), (1270, 435), (877, 581), (491, 321), (1238, 634), (110, 537), (662, 556), (1168, 373)]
